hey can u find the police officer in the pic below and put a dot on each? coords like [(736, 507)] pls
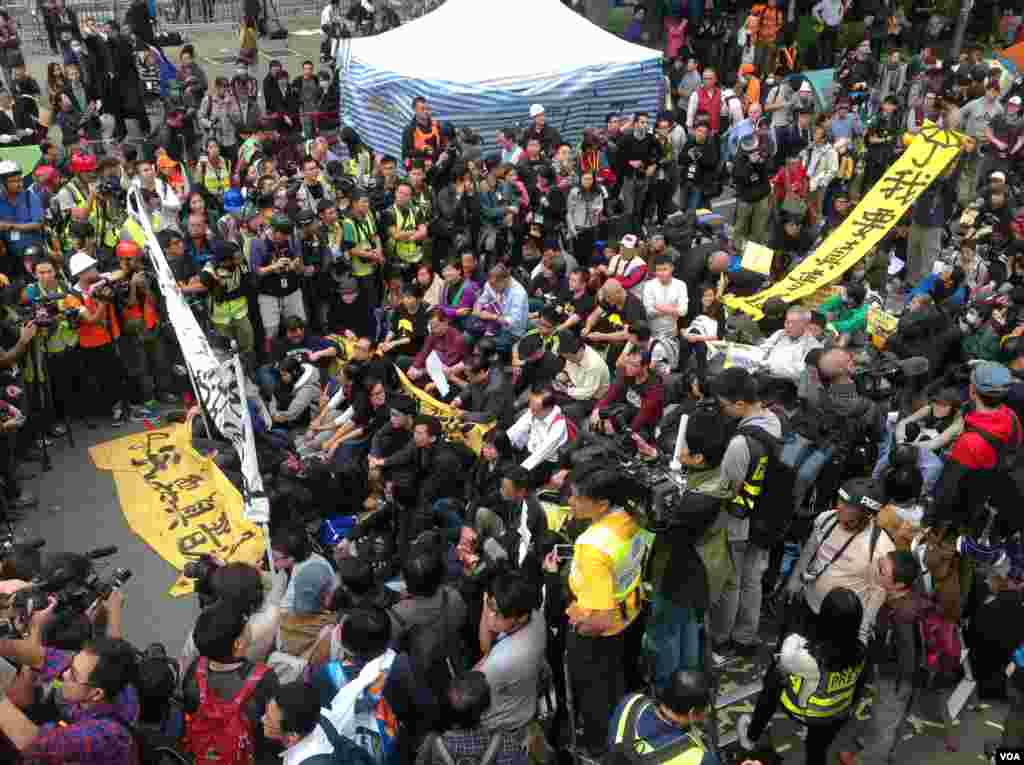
[(665, 728), (817, 679), (604, 583)]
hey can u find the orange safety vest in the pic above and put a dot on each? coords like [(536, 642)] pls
[(93, 334), (427, 141), (145, 311)]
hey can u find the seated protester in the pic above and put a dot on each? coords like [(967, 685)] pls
[(788, 347), (579, 302), (366, 635), (438, 475), (97, 690), (392, 451), (680, 596), (408, 328), (222, 636), (548, 284), (551, 253), (347, 313), (608, 326), (297, 396), (971, 476), (537, 364), (847, 314), (297, 343), (585, 379), (664, 351), (542, 432), (513, 639), (921, 438), (377, 366), (335, 408), (634, 402), (458, 295), (666, 724), (501, 311), (483, 489), (626, 265), (946, 286), (490, 395), (468, 700), (352, 439), (446, 341)]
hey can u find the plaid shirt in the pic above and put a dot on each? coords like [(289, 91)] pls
[(471, 744), (85, 736)]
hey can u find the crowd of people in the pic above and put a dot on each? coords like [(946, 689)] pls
[(563, 565)]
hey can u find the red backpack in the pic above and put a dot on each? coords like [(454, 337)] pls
[(219, 731)]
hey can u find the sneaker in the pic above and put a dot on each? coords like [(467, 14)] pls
[(142, 413), (743, 733)]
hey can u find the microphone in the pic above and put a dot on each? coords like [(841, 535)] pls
[(102, 552)]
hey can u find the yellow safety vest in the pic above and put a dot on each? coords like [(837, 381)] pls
[(363, 233), (135, 230), (217, 181), (627, 556), (407, 252), (830, 700), (689, 749)]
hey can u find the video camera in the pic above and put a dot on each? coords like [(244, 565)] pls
[(47, 312), (879, 381)]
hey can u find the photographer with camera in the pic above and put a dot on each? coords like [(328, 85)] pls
[(21, 219), (141, 345), (226, 276), (93, 297), (316, 259), (277, 261), (634, 403)]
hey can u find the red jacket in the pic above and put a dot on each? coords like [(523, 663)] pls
[(795, 183), (972, 450)]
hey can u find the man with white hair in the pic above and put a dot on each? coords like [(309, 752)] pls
[(788, 347)]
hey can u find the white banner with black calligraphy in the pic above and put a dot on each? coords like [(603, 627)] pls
[(218, 385)]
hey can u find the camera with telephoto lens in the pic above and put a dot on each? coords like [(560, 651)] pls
[(201, 572)]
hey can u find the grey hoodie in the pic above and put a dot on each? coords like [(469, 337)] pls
[(735, 464), (306, 397)]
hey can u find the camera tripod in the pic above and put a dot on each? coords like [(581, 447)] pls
[(42, 384)]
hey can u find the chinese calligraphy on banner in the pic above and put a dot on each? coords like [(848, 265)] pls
[(879, 210), (178, 501)]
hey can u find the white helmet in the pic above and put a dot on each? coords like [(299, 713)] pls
[(80, 262)]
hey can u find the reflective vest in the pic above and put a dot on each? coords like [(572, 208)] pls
[(688, 749), (627, 556), (76, 194), (429, 141), (217, 180), (408, 252), (134, 230), (832, 698), (363, 233), (92, 334), (745, 501), (147, 312)]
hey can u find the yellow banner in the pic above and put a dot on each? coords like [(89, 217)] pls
[(178, 501), (932, 150), (450, 419)]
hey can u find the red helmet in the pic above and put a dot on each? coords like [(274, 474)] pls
[(127, 250), (83, 163)]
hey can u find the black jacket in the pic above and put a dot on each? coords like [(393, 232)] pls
[(438, 473), (456, 215), (276, 99), (752, 179), (511, 542), (698, 164), (549, 138), (676, 568), (541, 371), (494, 400)]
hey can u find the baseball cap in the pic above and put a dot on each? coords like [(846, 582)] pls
[(990, 378), (998, 175), (865, 494), (536, 109)]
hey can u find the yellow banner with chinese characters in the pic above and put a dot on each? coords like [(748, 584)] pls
[(428, 405), (178, 501), (880, 209)]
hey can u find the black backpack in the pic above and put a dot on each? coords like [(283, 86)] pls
[(435, 651), (775, 507), (1004, 482)]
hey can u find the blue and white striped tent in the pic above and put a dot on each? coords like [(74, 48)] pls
[(482, 63)]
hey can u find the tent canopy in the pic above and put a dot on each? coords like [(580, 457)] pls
[(482, 63), (489, 42)]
